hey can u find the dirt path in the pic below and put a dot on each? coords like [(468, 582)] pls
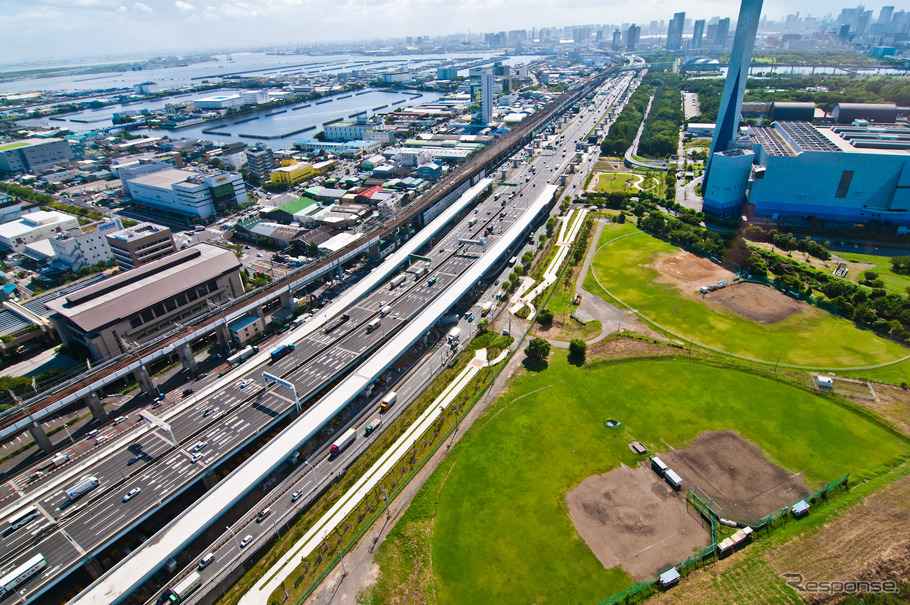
[(362, 570)]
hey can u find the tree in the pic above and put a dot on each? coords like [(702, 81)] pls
[(621, 218), (538, 349), (483, 326), (577, 349), (545, 317)]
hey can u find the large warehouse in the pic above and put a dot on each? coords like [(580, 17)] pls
[(857, 175)]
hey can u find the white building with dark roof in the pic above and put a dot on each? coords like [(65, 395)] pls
[(140, 304)]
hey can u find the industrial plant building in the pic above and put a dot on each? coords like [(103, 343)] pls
[(183, 194)]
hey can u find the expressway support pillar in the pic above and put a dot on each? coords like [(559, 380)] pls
[(93, 567), (373, 251), (185, 353), (221, 331), (94, 405), (287, 301), (40, 437), (145, 381), (259, 312)]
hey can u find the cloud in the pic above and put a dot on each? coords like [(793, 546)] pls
[(183, 6), (121, 9), (143, 8)]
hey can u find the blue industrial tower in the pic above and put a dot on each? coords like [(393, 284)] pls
[(731, 103)]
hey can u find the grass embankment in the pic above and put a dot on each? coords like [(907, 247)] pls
[(493, 513), (627, 268)]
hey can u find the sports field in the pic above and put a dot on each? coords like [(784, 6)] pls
[(634, 269), (501, 532)]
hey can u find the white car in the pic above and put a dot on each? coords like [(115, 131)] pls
[(244, 383), (196, 458), (119, 419), (101, 439), (246, 540), (129, 495), (199, 445)]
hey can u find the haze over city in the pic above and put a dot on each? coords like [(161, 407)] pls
[(40, 30)]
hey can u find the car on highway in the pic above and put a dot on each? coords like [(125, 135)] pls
[(244, 383), (295, 496), (188, 392), (246, 540), (130, 494), (196, 458), (119, 419), (91, 433), (206, 560), (201, 375), (199, 445), (208, 412), (133, 460), (395, 316), (101, 439)]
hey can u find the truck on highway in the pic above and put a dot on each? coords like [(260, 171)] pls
[(454, 336), (81, 487), (388, 401), (242, 355), (397, 281), (342, 442), (373, 325), (57, 460), (281, 351), (485, 308), (183, 588), (385, 311)]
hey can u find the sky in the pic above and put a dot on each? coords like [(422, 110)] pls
[(43, 30)]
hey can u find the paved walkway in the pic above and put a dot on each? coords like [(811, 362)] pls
[(612, 318)]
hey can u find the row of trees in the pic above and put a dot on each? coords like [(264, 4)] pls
[(623, 130), (660, 137), (787, 241)]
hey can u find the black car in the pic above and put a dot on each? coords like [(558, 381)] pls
[(201, 376), (188, 392), (133, 460)]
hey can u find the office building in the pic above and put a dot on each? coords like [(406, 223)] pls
[(632, 36), (728, 114), (675, 31), (185, 195), (146, 88), (138, 305), (481, 96), (85, 246), (446, 73), (723, 32), (15, 235), (698, 30), (33, 154), (260, 160), (617, 41), (140, 244), (352, 131), (293, 174)]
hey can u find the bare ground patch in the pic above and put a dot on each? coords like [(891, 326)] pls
[(690, 272), (631, 517), (733, 472), (869, 542), (759, 303), (621, 348), (891, 402)]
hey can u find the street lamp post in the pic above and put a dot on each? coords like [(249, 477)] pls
[(315, 476), (236, 543)]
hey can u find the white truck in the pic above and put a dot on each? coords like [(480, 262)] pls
[(388, 401), (454, 336), (397, 281), (373, 325), (340, 444), (82, 487)]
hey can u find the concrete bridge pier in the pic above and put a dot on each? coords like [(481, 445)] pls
[(145, 381), (185, 353), (93, 402), (40, 437)]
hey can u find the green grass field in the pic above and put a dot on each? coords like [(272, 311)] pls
[(501, 533), (812, 338), (616, 181), (894, 282)]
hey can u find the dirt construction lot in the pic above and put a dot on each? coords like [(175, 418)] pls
[(690, 272), (631, 517), (756, 302), (736, 475)]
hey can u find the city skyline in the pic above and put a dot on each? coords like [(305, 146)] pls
[(56, 30)]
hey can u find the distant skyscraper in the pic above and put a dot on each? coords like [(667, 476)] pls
[(698, 30), (884, 17), (481, 96), (632, 35), (675, 32), (731, 102), (617, 40), (723, 32)]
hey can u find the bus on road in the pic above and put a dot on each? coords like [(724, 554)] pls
[(22, 517)]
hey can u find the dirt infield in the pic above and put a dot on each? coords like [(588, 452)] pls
[(757, 302), (631, 517), (736, 475), (691, 272)]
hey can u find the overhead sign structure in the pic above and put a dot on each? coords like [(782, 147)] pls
[(266, 378), (158, 423)]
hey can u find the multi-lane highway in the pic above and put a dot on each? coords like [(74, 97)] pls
[(237, 415)]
